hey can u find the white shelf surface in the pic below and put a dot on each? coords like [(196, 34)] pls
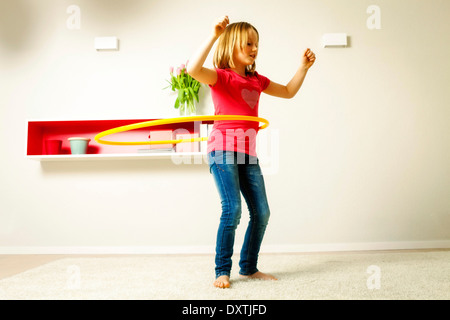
[(119, 156)]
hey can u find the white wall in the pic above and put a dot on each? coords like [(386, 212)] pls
[(364, 151)]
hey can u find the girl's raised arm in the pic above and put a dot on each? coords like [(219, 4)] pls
[(195, 67), (290, 90)]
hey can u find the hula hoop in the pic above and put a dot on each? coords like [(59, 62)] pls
[(158, 122)]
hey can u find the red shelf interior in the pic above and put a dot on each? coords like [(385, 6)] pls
[(40, 131)]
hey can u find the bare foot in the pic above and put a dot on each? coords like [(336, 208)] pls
[(222, 282), (261, 276)]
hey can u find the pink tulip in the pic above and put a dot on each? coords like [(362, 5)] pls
[(178, 71), (171, 69), (182, 67)]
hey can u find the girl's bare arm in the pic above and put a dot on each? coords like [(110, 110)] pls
[(290, 90), (195, 67)]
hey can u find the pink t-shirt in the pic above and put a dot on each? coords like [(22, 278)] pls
[(234, 94)]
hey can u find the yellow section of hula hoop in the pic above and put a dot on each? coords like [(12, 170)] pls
[(171, 121)]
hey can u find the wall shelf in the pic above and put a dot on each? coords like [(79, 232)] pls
[(39, 131), (130, 156)]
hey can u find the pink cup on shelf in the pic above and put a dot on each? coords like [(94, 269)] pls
[(53, 146)]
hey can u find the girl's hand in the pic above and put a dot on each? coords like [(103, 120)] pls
[(220, 26), (308, 58)]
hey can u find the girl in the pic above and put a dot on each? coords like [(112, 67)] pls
[(235, 90)]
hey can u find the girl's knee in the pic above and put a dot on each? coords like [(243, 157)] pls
[(261, 217), (264, 217), (231, 214)]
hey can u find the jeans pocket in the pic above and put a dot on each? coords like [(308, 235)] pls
[(211, 160)]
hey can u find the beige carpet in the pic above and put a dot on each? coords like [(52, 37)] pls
[(359, 275)]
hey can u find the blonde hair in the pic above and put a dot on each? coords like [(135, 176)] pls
[(234, 34)]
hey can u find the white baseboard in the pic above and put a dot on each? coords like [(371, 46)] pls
[(288, 248), (357, 246)]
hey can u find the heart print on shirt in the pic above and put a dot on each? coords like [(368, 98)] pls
[(251, 97)]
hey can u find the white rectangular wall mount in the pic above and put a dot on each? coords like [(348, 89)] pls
[(334, 40), (106, 43)]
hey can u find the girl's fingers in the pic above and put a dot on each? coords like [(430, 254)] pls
[(309, 55), (220, 25), (225, 20)]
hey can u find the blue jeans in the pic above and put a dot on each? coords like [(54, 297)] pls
[(235, 173)]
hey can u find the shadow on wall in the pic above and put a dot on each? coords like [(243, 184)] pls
[(119, 11), (16, 23), (122, 166)]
